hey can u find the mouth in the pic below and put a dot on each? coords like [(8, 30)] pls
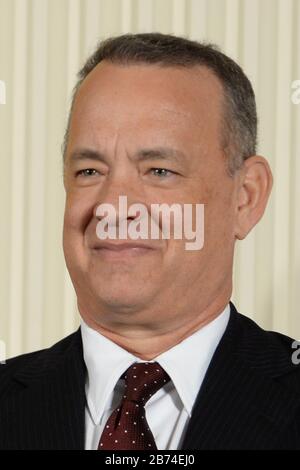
[(122, 250)]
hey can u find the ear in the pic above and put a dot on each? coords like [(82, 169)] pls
[(255, 182)]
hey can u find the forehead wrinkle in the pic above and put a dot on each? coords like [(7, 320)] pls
[(177, 112)]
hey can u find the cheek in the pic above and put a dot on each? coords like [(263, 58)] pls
[(73, 239), (218, 216), (78, 212), (70, 230), (219, 227)]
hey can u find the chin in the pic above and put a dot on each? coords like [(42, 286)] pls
[(121, 297)]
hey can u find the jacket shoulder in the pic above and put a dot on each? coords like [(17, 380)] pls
[(42, 359), (268, 352)]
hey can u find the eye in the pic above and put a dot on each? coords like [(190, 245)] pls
[(162, 172), (87, 172)]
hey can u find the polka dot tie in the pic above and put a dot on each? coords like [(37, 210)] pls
[(127, 427)]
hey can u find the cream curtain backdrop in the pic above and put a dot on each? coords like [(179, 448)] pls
[(42, 45)]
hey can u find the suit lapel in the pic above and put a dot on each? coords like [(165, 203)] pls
[(241, 403), (52, 399)]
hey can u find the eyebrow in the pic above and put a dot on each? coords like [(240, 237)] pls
[(164, 153), (145, 154), (87, 154)]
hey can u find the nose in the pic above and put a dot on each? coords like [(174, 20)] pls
[(117, 194)]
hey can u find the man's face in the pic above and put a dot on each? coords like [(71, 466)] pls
[(132, 116)]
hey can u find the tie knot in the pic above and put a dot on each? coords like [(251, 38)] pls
[(142, 380)]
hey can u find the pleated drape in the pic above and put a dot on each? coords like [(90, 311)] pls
[(42, 45)]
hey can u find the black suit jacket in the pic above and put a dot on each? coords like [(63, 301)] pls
[(249, 399)]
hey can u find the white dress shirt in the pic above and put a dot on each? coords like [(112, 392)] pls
[(168, 411)]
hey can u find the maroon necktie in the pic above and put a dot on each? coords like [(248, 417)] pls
[(127, 427)]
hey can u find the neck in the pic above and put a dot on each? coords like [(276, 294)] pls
[(147, 343)]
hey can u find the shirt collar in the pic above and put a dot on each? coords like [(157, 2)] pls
[(106, 362), (196, 351)]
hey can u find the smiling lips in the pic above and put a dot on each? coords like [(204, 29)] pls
[(117, 249)]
